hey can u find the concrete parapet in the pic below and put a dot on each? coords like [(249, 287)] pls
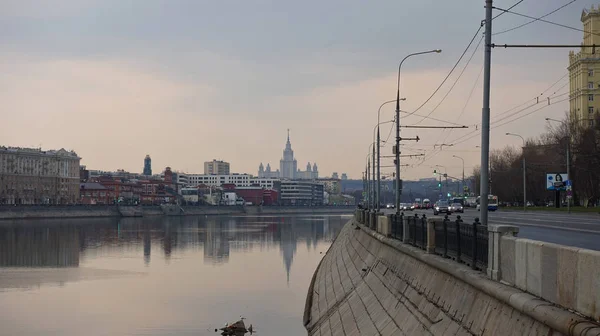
[(368, 284), (384, 225), (560, 274), (494, 248)]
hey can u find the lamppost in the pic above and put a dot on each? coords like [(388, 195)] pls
[(378, 190), (378, 149), (568, 156), (397, 150), (524, 172), (463, 171)]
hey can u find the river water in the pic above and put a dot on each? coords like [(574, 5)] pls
[(159, 276)]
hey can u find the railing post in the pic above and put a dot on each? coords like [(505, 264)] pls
[(430, 222), (474, 243), (458, 221), (415, 229), (495, 233), (445, 224), (405, 228), (424, 231)]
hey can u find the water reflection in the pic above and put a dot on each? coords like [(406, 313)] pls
[(61, 243)]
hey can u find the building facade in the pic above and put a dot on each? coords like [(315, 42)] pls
[(240, 180), (216, 167), (301, 193), (288, 167), (33, 176), (584, 72), (147, 166)]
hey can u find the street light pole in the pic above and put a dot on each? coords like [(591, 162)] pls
[(379, 153), (463, 170), (397, 151), (485, 115), (524, 172)]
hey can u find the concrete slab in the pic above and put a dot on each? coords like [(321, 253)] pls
[(507, 259), (521, 264), (588, 283), (534, 267), (567, 263), (549, 271)]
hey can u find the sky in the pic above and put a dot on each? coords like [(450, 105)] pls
[(191, 81)]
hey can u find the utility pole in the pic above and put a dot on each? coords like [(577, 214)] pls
[(485, 115), (378, 171), (375, 205)]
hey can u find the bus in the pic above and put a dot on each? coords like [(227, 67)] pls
[(492, 203)]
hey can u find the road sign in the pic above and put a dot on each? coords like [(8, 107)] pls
[(556, 181), (568, 183)]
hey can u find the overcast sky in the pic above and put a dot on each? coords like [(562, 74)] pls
[(189, 81)]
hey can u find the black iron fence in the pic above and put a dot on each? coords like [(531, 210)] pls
[(397, 228), (417, 231), (463, 242)]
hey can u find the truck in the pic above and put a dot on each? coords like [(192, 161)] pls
[(426, 203), (417, 203)]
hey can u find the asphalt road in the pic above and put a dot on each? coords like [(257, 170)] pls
[(576, 229)]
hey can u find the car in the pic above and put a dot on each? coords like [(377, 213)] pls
[(390, 206), (442, 206), (406, 207), (457, 207)]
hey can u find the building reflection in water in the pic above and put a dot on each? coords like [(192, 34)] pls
[(27, 246), (59, 243)]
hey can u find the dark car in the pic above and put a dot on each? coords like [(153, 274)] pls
[(442, 206), (457, 207)]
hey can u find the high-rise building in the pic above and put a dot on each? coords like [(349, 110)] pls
[(147, 166), (33, 176), (584, 72), (288, 167), (216, 167)]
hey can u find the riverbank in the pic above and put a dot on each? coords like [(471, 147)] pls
[(90, 211)]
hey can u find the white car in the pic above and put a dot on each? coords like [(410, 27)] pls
[(457, 207)]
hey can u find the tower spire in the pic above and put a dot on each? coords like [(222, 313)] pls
[(288, 140)]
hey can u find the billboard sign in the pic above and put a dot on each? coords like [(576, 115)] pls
[(556, 181)]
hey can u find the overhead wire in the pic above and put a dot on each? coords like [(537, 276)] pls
[(509, 8), (455, 81), (449, 73)]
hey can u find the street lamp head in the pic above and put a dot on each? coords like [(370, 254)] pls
[(547, 119), (507, 133), (438, 50)]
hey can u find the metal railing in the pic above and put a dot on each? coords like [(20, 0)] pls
[(397, 229), (417, 231), (466, 243)]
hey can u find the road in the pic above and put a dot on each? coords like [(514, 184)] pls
[(578, 230)]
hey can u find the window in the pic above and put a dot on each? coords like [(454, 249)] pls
[(590, 85), (590, 72), (591, 109), (590, 97)]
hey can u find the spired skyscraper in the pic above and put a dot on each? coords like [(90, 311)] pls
[(147, 166), (288, 167)]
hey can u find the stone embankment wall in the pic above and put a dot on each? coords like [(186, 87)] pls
[(83, 211), (368, 284)]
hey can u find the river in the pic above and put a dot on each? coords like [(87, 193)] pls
[(159, 276)]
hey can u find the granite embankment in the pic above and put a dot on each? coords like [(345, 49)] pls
[(368, 284), (84, 211)]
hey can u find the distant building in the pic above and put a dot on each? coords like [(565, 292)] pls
[(147, 166), (33, 176), (288, 167), (239, 180), (344, 176), (331, 185), (303, 193), (335, 176), (216, 167), (584, 73)]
